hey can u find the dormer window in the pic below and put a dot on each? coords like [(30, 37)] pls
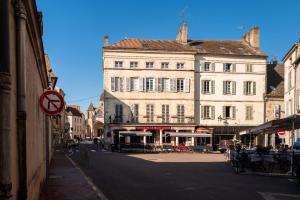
[(118, 63), (229, 67), (165, 65)]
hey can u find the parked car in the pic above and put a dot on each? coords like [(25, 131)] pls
[(72, 143), (224, 145), (298, 173)]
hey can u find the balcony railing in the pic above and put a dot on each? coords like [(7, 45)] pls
[(157, 119)]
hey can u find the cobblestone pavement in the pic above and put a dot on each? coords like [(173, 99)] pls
[(67, 182), (176, 176)]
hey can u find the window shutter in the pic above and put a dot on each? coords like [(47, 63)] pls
[(251, 113), (212, 67), (233, 112), (202, 112), (112, 84), (155, 86), (212, 87), (159, 84), (141, 84), (245, 87), (121, 113), (173, 83), (224, 112), (202, 66), (128, 84), (168, 85), (233, 67), (254, 88), (202, 87), (224, 67), (186, 85), (121, 84), (224, 88), (233, 87), (212, 115)]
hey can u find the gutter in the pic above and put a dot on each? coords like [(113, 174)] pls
[(5, 103), (21, 20)]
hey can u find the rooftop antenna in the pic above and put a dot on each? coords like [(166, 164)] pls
[(182, 13)]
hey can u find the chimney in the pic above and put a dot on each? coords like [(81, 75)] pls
[(253, 37), (105, 40), (182, 34)]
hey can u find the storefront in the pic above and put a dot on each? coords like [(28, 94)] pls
[(275, 132)]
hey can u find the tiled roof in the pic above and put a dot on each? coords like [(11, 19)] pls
[(71, 111), (222, 47), (225, 47), (140, 44), (275, 80)]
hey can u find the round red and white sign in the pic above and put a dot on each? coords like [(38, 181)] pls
[(281, 133), (51, 102)]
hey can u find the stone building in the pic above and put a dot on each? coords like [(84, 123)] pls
[(179, 91), (95, 119), (24, 129), (291, 62), (76, 121), (274, 100)]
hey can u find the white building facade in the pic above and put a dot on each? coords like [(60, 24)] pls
[(76, 121), (170, 88), (292, 85)]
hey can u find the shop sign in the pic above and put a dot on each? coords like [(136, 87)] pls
[(154, 128), (281, 133)]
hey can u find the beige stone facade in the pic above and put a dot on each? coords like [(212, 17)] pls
[(143, 77), (24, 129), (292, 85)]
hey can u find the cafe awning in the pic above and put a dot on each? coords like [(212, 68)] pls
[(135, 133), (285, 124), (188, 134)]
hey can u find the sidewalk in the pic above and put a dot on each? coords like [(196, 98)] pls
[(67, 182)]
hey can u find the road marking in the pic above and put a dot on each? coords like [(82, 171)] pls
[(273, 196), (99, 193)]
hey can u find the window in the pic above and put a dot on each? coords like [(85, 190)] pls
[(180, 85), (134, 84), (206, 66), (165, 113), (165, 84), (164, 65), (229, 112), (118, 63), (229, 67), (135, 113), (289, 80), (116, 84), (180, 65), (249, 113), (227, 87), (248, 67), (207, 112), (208, 87), (150, 112), (118, 113), (133, 64), (149, 64), (249, 88), (277, 111), (149, 84), (180, 113)]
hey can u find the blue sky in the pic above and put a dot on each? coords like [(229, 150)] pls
[(74, 30)]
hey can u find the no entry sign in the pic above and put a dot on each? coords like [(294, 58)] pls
[(281, 133), (51, 102)]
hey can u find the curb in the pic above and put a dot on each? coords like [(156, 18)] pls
[(99, 193)]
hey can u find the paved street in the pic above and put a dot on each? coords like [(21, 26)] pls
[(176, 176)]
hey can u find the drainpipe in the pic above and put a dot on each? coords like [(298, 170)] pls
[(21, 97), (5, 103)]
